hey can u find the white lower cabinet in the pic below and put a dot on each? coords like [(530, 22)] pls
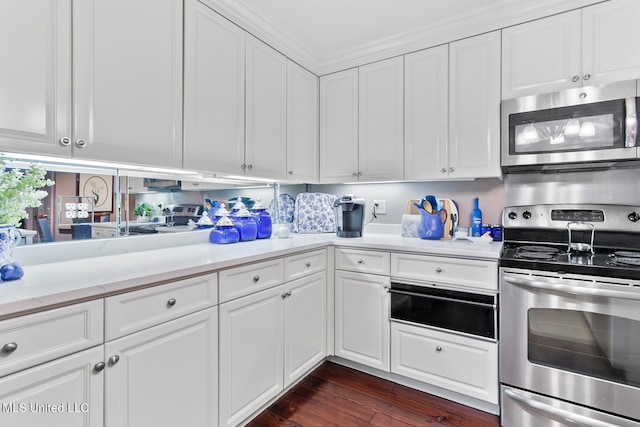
[(165, 375), (268, 340), (461, 364), (66, 392), (362, 318)]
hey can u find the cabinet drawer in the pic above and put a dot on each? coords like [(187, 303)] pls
[(457, 363), (305, 264), (241, 281), (372, 262), (134, 311), (36, 338), (453, 271)]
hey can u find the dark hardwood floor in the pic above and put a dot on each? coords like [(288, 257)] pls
[(334, 395)]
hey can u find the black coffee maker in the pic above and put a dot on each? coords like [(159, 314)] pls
[(349, 216)]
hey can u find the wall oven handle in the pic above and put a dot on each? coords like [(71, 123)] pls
[(568, 289), (560, 413), (461, 301)]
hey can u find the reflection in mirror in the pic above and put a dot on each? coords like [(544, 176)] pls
[(98, 203)]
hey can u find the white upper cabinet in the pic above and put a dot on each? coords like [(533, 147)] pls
[(541, 56), (577, 48), (303, 160), (608, 32), (127, 81), (380, 136), (266, 111), (214, 63), (426, 114), (339, 127), (35, 76), (474, 107)]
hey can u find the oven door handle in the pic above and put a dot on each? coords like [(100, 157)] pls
[(559, 413), (461, 301), (568, 289)]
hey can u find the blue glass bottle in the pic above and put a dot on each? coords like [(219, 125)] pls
[(263, 220), (476, 219), (224, 232)]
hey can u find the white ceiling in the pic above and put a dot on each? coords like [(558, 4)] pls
[(330, 35)]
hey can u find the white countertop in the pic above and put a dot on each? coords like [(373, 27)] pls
[(95, 269)]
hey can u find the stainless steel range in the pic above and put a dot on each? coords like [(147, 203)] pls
[(570, 316)]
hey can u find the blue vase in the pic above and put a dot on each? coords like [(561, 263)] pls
[(224, 232), (246, 225), (9, 238), (431, 226), (263, 220)]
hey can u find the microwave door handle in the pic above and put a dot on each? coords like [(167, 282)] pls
[(631, 122), (568, 289), (563, 414)]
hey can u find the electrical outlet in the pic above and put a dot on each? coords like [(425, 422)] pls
[(381, 206)]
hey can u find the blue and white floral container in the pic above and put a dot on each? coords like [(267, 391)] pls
[(9, 238)]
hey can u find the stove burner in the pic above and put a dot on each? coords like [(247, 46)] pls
[(536, 255), (625, 254), (534, 248), (624, 261)]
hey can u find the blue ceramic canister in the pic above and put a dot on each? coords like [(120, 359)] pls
[(246, 225), (237, 207), (220, 213), (263, 220), (224, 232)]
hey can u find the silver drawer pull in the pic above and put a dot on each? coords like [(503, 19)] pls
[(256, 278), (438, 269), (81, 143), (360, 261), (99, 367), (65, 140), (438, 349), (171, 302), (9, 348), (113, 360), (308, 264)]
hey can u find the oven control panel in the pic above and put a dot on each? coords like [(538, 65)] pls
[(603, 217)]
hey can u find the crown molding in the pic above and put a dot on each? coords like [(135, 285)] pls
[(502, 14)]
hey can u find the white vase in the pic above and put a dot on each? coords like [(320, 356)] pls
[(9, 238)]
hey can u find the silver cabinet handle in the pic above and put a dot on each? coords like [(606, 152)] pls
[(308, 264), (290, 172), (438, 269), (354, 174), (451, 169), (81, 143), (286, 295), (387, 287), (243, 166), (9, 348), (359, 173), (360, 261), (256, 278), (443, 170), (249, 166), (66, 141), (582, 95), (438, 349), (543, 407), (587, 76), (113, 360), (575, 79), (99, 367), (283, 295), (171, 302)]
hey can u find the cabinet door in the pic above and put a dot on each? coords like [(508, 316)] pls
[(339, 127), (302, 125), (426, 114), (541, 56), (305, 323), (380, 136), (362, 318), (165, 375), (607, 28), (266, 109), (213, 91), (69, 386), (127, 81), (474, 107), (35, 76), (251, 354)]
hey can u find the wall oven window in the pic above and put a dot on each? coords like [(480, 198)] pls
[(593, 344), (453, 310)]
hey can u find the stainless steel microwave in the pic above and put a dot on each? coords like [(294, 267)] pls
[(581, 127)]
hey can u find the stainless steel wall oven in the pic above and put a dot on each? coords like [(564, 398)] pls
[(570, 316)]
